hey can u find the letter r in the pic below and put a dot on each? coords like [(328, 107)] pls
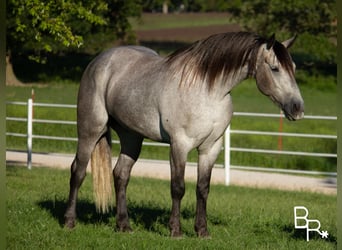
[(304, 217)]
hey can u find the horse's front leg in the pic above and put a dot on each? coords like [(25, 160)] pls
[(177, 161), (206, 160)]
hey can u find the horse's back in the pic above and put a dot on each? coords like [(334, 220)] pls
[(109, 66), (117, 58)]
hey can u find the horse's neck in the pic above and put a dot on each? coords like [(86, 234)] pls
[(226, 84), (242, 75)]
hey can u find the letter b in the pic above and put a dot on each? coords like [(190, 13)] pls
[(300, 217)]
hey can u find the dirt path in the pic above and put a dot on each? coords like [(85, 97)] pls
[(160, 170)]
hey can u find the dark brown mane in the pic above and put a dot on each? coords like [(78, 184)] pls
[(223, 54), (220, 53)]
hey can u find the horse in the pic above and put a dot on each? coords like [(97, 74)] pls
[(183, 99)]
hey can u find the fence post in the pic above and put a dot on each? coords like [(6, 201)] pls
[(280, 138), (227, 156), (29, 132)]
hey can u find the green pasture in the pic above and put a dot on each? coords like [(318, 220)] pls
[(246, 98), (238, 217)]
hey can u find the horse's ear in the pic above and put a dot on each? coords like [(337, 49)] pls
[(288, 43), (270, 42)]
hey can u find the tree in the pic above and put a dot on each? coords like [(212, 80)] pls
[(37, 27)]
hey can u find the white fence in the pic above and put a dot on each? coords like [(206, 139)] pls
[(227, 148)]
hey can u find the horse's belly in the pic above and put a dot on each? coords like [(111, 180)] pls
[(143, 122)]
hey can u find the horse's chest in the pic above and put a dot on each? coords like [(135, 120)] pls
[(198, 120)]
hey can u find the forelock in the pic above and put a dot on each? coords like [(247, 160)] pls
[(283, 57)]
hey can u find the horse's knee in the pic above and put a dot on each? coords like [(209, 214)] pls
[(78, 173), (202, 191), (178, 189), (120, 177)]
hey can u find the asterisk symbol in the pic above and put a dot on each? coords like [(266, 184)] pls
[(324, 234)]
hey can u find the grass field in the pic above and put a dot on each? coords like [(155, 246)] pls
[(238, 218)]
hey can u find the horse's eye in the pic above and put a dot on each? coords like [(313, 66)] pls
[(274, 68)]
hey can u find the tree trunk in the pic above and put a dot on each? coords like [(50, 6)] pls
[(165, 7), (11, 79)]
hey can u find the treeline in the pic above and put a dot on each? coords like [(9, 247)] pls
[(37, 28)]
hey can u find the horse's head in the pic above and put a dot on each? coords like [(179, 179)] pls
[(275, 77)]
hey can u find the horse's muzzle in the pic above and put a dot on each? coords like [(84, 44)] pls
[(294, 110)]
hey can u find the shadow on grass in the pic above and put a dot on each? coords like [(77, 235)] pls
[(141, 214), (146, 215), (300, 234), (86, 211)]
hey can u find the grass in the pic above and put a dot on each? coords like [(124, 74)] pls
[(238, 217)]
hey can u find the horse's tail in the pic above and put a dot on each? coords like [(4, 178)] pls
[(101, 168)]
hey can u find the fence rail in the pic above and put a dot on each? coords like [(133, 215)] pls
[(226, 148)]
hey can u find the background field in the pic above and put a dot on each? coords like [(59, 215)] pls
[(238, 218)]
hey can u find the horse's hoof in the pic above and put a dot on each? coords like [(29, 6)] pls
[(69, 223), (203, 234), (125, 229), (176, 234)]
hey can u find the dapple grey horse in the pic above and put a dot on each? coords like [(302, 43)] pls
[(183, 99)]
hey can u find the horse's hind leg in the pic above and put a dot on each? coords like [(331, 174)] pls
[(87, 140), (130, 150), (76, 180), (78, 173)]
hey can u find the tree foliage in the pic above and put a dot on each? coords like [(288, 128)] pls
[(49, 26)]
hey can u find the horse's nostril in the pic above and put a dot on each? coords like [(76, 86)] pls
[(297, 107)]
